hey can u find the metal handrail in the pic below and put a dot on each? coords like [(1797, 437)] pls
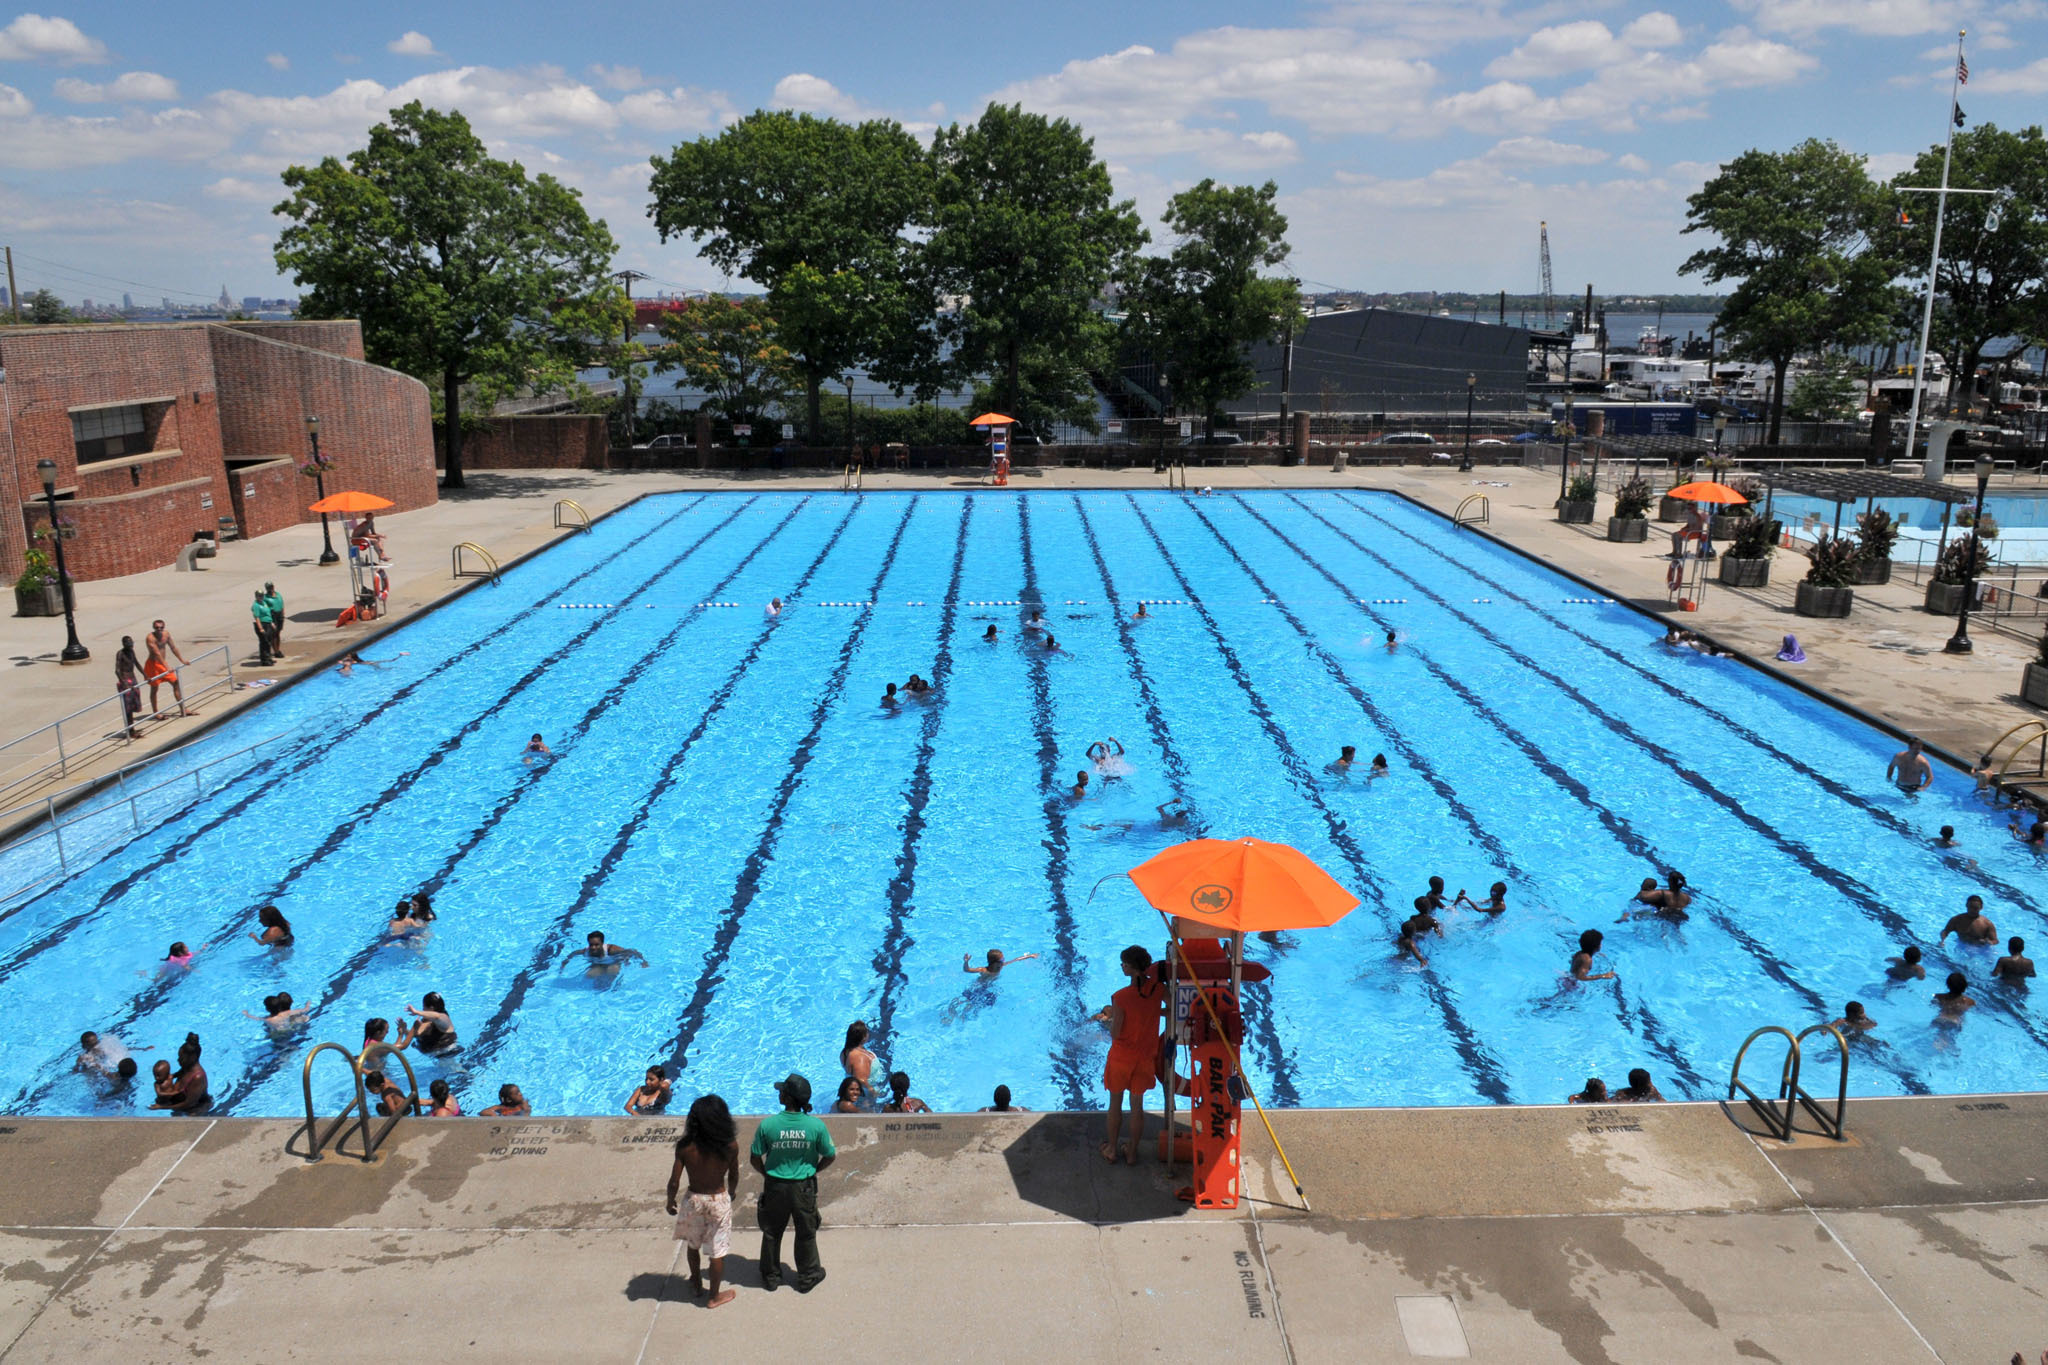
[(854, 479), (560, 503), (357, 1108), (1483, 516), (1779, 1123), (67, 756), (1830, 1126), (2039, 731), (490, 569)]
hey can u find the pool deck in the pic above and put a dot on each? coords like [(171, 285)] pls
[(1650, 1233)]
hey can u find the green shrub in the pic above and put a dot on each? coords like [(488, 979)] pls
[(1632, 499), (38, 572), (1964, 558), (1581, 489), (1876, 532), (1831, 563), (1755, 538)]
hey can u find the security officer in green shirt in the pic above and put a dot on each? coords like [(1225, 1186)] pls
[(789, 1150), (259, 613), (274, 600)]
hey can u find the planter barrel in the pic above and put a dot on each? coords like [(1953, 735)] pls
[(1944, 599), (47, 600), (1672, 509), (1575, 513), (1722, 525), (2034, 685), (1812, 600), (1628, 530), (1744, 573), (1873, 571)]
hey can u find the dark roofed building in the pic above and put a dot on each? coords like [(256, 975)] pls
[(1377, 360)]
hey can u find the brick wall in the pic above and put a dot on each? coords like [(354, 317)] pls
[(570, 441), (131, 532), (339, 336), (268, 496), (13, 532)]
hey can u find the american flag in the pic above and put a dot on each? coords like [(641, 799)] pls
[(1962, 69)]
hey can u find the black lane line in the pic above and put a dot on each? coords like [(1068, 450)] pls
[(1890, 819), (1634, 1016), (1068, 1059), (159, 990), (748, 885), (172, 853), (548, 953), (529, 778), (896, 939), (1479, 1063), (1278, 1058), (1616, 825)]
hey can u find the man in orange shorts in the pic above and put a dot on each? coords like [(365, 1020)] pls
[(156, 670), (1133, 1019)]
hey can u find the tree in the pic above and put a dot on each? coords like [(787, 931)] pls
[(815, 212), (1200, 308), (1832, 390), (43, 308), (462, 270), (1794, 230), (1025, 234), (729, 348), (1994, 247)]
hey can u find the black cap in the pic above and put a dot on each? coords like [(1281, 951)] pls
[(795, 1091)]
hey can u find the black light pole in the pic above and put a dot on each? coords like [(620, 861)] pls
[(852, 450), (1564, 456), (1959, 643), (327, 555), (74, 652), (1471, 389)]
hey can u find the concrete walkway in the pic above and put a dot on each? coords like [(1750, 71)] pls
[(1657, 1233)]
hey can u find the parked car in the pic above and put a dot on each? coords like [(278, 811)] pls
[(1405, 438), (1221, 438), (670, 440)]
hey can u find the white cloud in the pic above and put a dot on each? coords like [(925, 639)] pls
[(412, 43), (1541, 151), (33, 37), (2031, 79), (1871, 18), (810, 94), (1629, 161), (681, 110), (1887, 165), (133, 87), (1655, 29), (14, 104), (244, 191), (617, 77), (1561, 49), (277, 61)]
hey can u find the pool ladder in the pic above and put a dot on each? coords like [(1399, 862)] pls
[(1778, 1114), (357, 1109), (490, 569), (566, 505), (852, 482), (1180, 468), (1479, 517)]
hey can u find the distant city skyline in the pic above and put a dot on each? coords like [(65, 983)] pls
[(1417, 143)]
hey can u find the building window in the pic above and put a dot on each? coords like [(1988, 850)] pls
[(108, 433)]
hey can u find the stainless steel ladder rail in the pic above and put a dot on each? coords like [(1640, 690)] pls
[(1480, 518), (357, 1109), (852, 482), (1831, 1126), (583, 522), (1779, 1114)]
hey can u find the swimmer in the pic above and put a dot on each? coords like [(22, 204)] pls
[(390, 1099), (1424, 920), (1668, 901), (511, 1105), (1052, 646), (856, 1060), (100, 1053), (1954, 1002), (375, 1034), (2036, 837), (178, 959), (651, 1096), (1392, 643), (351, 659), (1970, 925), (1582, 960), (1853, 1020), (2015, 967), (995, 963), (1379, 767), (407, 918), (1172, 812), (1594, 1093), (1080, 791), (1346, 756), (848, 1099), (602, 958), (1983, 772), (890, 699), (1909, 770), (1906, 967), (1674, 637), (1109, 758), (121, 1082), (535, 748), (1495, 903), (166, 1088), (1032, 626), (1948, 837), (444, 1106), (1406, 946), (1435, 898), (990, 634), (278, 1015), (435, 1031), (1639, 1090), (1143, 615), (775, 606), (917, 686), (277, 930)]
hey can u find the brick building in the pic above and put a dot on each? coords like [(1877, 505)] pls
[(160, 432)]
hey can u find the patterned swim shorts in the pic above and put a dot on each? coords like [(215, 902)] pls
[(705, 1222)]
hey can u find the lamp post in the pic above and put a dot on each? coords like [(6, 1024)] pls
[(1564, 455), (327, 555), (1959, 643), (1471, 389), (74, 652)]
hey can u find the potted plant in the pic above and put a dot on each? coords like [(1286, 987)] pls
[(1963, 559), (2034, 681), (1747, 564), (1876, 533), (1723, 524), (1830, 570), (38, 592), (1670, 508), (1576, 508), (1628, 525)]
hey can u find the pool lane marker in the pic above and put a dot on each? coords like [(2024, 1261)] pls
[(1645, 1024), (1258, 994), (146, 1001), (529, 778), (1477, 1059)]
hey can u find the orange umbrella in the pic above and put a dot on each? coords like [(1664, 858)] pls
[(1242, 886), (1706, 492), (351, 502), (993, 419)]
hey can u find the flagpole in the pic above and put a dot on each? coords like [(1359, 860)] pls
[(1934, 262)]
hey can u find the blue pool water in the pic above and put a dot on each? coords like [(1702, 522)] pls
[(2022, 520), (729, 798)]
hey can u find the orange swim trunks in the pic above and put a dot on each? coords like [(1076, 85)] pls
[(1133, 1070), (155, 672)]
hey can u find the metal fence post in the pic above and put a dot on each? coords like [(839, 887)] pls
[(63, 763), (57, 830)]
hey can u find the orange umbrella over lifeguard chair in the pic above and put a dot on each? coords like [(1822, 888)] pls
[(998, 427)]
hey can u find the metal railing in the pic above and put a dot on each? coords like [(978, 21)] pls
[(50, 753), (357, 1108), (490, 569), (1779, 1112), (92, 829), (1480, 516), (582, 522), (851, 482)]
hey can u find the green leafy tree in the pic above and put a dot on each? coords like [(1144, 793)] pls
[(1994, 247), (730, 350), (464, 272), (1794, 230), (1026, 235), (43, 308), (1199, 309), (1829, 392), (814, 211)]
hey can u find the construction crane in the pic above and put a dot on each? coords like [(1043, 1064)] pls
[(1543, 255)]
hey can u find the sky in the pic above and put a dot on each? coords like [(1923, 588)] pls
[(1417, 144)]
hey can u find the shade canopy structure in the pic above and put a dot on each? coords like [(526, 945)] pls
[(1237, 886), (993, 419), (351, 502), (1706, 491)]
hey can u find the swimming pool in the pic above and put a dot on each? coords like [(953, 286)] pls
[(728, 797), (2022, 520)]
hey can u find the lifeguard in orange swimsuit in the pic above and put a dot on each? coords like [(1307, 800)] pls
[(1133, 1018)]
